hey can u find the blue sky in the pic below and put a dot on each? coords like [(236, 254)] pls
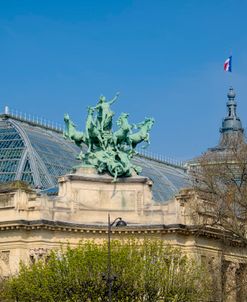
[(165, 57)]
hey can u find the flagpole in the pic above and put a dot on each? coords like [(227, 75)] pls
[(230, 75)]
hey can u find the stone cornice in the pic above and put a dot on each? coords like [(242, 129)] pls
[(180, 229), (103, 178)]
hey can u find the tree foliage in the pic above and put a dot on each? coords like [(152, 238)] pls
[(220, 182), (146, 271)]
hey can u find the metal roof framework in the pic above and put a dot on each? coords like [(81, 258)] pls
[(38, 155), (33, 154)]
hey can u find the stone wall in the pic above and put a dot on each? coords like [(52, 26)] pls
[(32, 224)]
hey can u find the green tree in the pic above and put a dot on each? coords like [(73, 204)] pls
[(144, 271)]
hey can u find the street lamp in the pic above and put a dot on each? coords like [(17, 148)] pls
[(119, 222)]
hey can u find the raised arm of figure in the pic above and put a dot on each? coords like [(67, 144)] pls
[(114, 99)]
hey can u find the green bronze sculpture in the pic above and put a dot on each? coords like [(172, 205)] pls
[(105, 114), (108, 151)]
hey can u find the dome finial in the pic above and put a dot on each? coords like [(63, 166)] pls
[(231, 94)]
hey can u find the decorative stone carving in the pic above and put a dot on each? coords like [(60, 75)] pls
[(36, 254), (229, 280), (4, 256)]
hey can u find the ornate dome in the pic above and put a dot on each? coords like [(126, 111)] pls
[(231, 126)]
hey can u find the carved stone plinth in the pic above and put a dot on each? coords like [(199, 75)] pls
[(93, 195)]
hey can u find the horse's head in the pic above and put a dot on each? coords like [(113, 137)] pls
[(90, 110), (140, 125), (66, 118), (149, 122), (122, 118), (68, 121), (124, 115)]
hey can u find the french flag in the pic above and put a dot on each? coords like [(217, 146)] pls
[(228, 64)]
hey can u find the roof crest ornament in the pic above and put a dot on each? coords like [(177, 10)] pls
[(40, 121)]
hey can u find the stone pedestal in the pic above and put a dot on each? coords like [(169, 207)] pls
[(91, 196)]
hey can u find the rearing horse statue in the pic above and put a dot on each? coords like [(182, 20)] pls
[(121, 135), (71, 133), (143, 134), (92, 134), (108, 151)]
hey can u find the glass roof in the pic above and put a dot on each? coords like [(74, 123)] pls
[(167, 179), (33, 154), (12, 147), (38, 155)]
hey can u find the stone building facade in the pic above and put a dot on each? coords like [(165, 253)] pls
[(32, 224), (56, 210)]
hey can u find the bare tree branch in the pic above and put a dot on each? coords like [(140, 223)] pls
[(220, 183)]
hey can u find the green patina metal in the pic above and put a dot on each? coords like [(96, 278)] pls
[(108, 151)]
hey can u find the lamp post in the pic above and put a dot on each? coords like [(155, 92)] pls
[(119, 223)]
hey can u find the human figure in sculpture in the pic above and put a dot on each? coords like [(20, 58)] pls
[(105, 113)]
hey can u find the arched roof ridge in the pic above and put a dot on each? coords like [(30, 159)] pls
[(33, 157)]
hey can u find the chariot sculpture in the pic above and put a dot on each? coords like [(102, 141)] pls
[(108, 151)]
